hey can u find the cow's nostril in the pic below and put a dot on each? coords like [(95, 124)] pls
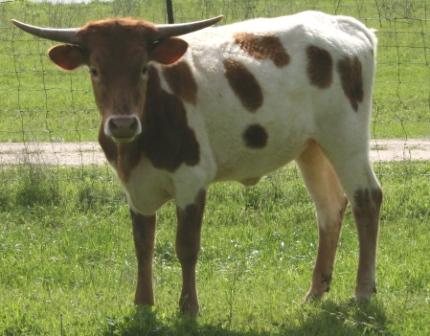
[(112, 124), (134, 124)]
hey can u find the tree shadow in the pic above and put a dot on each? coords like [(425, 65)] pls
[(329, 318)]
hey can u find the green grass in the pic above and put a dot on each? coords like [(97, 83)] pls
[(67, 264), (40, 103)]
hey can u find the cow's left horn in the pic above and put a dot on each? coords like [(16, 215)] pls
[(166, 30), (66, 35)]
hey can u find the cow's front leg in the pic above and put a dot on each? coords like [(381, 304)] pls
[(143, 234), (187, 249)]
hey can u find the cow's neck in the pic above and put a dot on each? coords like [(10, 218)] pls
[(123, 157)]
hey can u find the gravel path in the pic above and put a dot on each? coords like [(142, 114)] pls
[(89, 153)]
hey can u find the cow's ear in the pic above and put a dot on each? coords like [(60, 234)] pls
[(168, 51), (67, 56)]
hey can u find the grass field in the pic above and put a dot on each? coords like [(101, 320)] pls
[(67, 263), (40, 103)]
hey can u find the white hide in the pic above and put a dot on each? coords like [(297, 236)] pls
[(293, 110)]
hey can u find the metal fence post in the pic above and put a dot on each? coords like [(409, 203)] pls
[(169, 8)]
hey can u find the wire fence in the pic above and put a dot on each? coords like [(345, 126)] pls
[(40, 104)]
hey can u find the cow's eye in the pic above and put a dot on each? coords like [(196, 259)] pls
[(144, 69), (94, 72)]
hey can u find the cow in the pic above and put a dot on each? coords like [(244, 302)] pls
[(233, 102)]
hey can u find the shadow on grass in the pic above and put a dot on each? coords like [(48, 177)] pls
[(329, 318)]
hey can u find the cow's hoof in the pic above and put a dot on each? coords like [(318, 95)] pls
[(365, 293), (313, 296), (188, 308)]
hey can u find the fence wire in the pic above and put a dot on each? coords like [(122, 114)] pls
[(40, 104)]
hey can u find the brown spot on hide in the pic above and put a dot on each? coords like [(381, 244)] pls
[(167, 140), (181, 81), (320, 67), (244, 84), (351, 78), (263, 47), (255, 136)]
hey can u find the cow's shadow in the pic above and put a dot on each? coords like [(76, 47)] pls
[(347, 318)]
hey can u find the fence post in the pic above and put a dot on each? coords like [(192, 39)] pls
[(169, 8)]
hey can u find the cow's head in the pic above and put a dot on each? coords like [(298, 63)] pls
[(117, 52)]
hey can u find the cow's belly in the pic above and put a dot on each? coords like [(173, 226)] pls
[(248, 165), (248, 145)]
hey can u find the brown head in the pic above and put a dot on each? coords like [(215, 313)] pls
[(117, 52)]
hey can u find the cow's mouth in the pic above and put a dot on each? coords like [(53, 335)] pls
[(123, 140)]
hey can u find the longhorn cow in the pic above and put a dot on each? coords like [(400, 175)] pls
[(233, 102)]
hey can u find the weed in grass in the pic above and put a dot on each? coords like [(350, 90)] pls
[(143, 321), (165, 252), (22, 327), (92, 195), (37, 186), (4, 199)]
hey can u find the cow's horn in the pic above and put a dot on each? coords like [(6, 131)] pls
[(166, 30), (66, 35)]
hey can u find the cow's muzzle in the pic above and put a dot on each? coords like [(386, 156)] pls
[(123, 129)]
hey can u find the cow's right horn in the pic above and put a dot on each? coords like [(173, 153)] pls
[(66, 35), (167, 30)]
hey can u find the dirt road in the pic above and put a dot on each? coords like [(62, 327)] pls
[(89, 153)]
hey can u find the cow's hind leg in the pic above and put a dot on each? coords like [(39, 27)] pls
[(143, 234), (325, 189), (350, 158)]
